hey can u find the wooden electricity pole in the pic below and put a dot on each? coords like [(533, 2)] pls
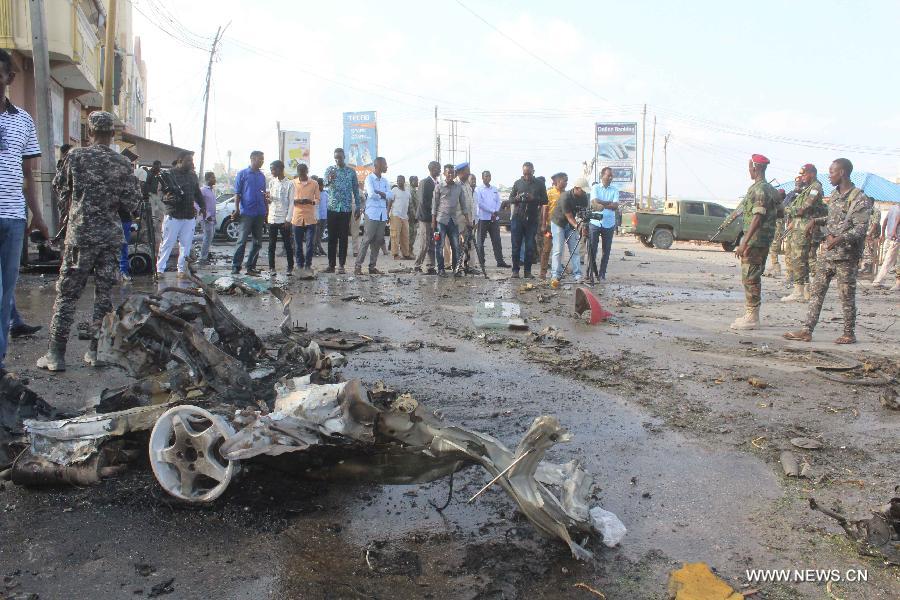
[(666, 167), (109, 57), (643, 148), (212, 55), (652, 158), (41, 58)]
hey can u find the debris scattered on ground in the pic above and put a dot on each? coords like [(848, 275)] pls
[(695, 581), (790, 463), (629, 253), (889, 399), (350, 298), (499, 315), (806, 443), (587, 588), (217, 413), (584, 300), (237, 284), (388, 558), (161, 589), (758, 383), (878, 536)]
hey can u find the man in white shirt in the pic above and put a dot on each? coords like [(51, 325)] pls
[(18, 149), (487, 209), (891, 235), (280, 192), (378, 194), (399, 211)]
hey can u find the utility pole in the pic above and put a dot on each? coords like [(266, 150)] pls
[(109, 57), (41, 57), (666, 168), (280, 141), (643, 148), (171, 137), (437, 138), (452, 128), (652, 158), (212, 55)]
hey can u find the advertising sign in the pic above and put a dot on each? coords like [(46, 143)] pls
[(616, 147), (294, 150), (360, 141)]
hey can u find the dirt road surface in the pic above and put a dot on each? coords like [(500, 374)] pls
[(683, 449)]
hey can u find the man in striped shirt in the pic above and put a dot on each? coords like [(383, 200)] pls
[(18, 147)]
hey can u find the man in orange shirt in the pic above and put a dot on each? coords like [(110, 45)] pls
[(306, 197)]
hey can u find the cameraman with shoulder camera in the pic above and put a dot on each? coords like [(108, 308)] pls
[(566, 230), (181, 193), (527, 197)]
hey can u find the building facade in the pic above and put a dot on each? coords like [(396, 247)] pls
[(76, 34)]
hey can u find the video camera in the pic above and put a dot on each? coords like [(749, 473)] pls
[(167, 182), (586, 214)]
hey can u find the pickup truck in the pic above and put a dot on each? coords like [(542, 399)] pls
[(685, 220)]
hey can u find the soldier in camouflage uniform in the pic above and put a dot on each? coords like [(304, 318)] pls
[(806, 206), (776, 247), (869, 263), (845, 230), (94, 182), (760, 209)]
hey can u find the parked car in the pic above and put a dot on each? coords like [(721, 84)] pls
[(685, 220)]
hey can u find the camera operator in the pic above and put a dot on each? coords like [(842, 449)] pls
[(181, 196), (527, 197), (566, 230), (152, 190)]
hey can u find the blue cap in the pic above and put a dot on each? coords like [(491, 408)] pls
[(462, 166)]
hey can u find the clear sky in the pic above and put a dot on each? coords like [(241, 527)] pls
[(801, 81)]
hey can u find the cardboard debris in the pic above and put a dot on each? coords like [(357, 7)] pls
[(695, 581)]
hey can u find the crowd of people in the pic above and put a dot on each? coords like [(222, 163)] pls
[(99, 191), (447, 214)]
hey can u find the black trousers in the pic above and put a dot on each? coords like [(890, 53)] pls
[(274, 231), (492, 228), (338, 235)]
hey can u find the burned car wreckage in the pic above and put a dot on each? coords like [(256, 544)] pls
[(210, 395)]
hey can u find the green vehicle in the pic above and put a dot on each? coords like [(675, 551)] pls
[(685, 220)]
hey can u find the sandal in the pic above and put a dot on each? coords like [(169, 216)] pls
[(846, 339), (798, 336)]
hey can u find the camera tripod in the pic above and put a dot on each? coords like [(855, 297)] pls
[(580, 225)]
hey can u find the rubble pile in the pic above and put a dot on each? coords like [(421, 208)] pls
[(209, 394)]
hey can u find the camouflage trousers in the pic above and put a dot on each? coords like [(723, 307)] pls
[(78, 262), (797, 252), (413, 231), (776, 247), (752, 269), (845, 272), (813, 258), (870, 255)]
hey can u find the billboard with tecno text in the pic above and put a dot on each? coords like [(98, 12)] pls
[(360, 141)]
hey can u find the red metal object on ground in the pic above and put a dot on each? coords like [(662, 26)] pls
[(585, 299)]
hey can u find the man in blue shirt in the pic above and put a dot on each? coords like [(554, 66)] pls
[(250, 208), (378, 194), (604, 196)]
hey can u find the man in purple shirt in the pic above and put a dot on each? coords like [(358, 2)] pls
[(209, 223), (250, 208)]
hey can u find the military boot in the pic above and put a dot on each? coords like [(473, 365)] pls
[(54, 360), (806, 293), (776, 270), (750, 320), (90, 357), (797, 295)]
